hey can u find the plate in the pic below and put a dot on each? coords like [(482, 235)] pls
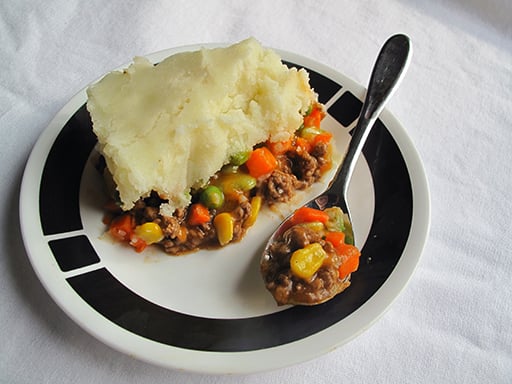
[(209, 311)]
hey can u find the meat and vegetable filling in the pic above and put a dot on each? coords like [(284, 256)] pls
[(222, 211), (312, 260)]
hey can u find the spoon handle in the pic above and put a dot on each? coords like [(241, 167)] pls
[(389, 68)]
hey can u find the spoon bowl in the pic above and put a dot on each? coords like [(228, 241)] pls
[(388, 71)]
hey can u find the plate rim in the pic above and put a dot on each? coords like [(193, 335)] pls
[(249, 361)]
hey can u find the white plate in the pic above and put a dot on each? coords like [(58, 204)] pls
[(209, 311)]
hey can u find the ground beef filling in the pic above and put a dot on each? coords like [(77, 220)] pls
[(182, 238), (290, 289), (297, 169)]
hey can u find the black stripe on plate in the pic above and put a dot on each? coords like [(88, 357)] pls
[(73, 252), (119, 304), (325, 87), (346, 109), (60, 184)]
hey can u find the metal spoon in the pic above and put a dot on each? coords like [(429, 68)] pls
[(389, 68)]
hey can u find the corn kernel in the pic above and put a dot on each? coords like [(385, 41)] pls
[(223, 224), (149, 232), (305, 262), (315, 226), (255, 210)]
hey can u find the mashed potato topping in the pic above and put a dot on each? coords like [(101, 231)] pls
[(169, 127)]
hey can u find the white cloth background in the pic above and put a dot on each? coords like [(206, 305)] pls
[(452, 324)]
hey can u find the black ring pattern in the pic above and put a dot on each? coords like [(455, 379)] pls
[(110, 298), (59, 208)]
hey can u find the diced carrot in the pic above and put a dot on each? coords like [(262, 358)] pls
[(261, 162), (351, 264), (322, 137), (314, 118), (279, 147), (307, 215), (337, 239), (198, 214), (122, 227), (138, 244), (302, 144)]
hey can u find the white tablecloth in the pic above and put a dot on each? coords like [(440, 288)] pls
[(452, 324)]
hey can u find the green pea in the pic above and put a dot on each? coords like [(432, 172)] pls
[(212, 197), (239, 158)]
